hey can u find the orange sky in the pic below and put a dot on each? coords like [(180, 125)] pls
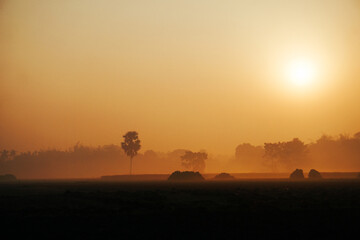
[(184, 74)]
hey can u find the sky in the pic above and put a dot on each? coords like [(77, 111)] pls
[(200, 75)]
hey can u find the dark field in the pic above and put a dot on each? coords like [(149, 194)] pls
[(163, 210)]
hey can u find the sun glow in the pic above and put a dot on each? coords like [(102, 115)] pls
[(301, 72)]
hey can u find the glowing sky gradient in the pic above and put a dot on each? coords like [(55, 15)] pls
[(184, 74)]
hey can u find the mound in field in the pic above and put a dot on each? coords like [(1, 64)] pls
[(313, 174), (7, 177), (224, 176), (186, 176), (297, 174)]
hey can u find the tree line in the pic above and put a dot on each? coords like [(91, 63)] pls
[(341, 153), (328, 153), (88, 162)]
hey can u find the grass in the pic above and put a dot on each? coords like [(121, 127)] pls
[(171, 210)]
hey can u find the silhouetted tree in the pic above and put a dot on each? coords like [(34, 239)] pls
[(7, 177), (272, 152), (186, 176), (131, 145), (357, 135), (294, 153), (314, 174), (297, 174), (194, 160), (150, 154), (12, 154), (248, 158), (4, 155), (287, 154), (224, 176)]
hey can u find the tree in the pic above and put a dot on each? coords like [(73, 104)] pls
[(4, 155), (131, 145), (357, 135), (288, 154), (272, 154), (194, 160)]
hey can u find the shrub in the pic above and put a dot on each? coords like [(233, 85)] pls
[(186, 176), (7, 177), (314, 174), (297, 174), (224, 176)]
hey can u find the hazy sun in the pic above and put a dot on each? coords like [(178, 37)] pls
[(301, 72)]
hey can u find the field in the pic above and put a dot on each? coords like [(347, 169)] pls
[(239, 209)]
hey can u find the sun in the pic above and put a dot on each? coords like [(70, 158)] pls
[(301, 73)]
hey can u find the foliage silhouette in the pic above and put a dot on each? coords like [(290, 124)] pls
[(357, 135), (328, 153), (88, 162), (7, 177), (131, 145), (224, 176), (297, 174), (186, 176), (313, 174), (194, 160), (287, 154), (340, 153), (6, 155), (248, 158)]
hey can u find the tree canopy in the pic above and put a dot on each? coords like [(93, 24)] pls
[(194, 160), (131, 144), (288, 154)]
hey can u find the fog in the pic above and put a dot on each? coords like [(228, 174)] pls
[(206, 76), (327, 154), (330, 154)]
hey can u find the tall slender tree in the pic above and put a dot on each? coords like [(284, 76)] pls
[(131, 145)]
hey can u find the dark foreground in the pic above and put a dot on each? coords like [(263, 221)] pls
[(162, 210)]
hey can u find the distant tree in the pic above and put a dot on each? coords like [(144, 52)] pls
[(194, 160), (357, 135), (150, 154), (297, 174), (7, 178), (272, 153), (248, 158), (186, 176), (224, 176), (294, 153), (12, 154), (6, 155), (131, 145), (287, 154), (313, 174)]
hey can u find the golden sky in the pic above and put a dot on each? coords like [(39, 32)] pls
[(199, 74)]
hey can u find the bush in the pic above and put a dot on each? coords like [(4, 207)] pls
[(7, 177), (314, 174), (297, 174), (186, 176), (224, 176)]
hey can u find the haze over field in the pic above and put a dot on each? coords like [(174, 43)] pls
[(184, 74), (180, 119)]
